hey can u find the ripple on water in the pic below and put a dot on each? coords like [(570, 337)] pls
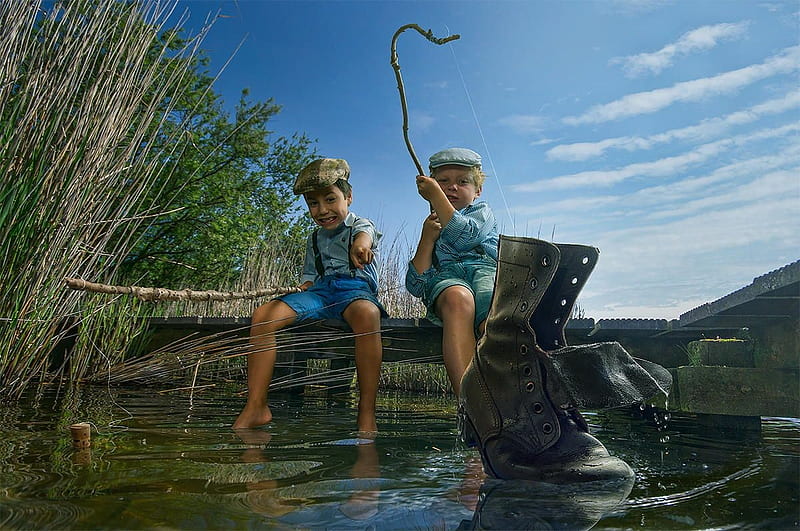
[(40, 514)]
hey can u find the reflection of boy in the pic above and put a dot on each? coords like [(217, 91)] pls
[(454, 266), (339, 281)]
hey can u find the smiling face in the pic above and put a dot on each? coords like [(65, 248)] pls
[(328, 206), (457, 184)]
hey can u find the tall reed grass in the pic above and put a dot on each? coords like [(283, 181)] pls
[(81, 99)]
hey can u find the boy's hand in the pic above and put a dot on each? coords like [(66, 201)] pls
[(305, 285), (427, 187), (361, 251), (431, 228)]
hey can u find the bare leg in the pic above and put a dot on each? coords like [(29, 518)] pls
[(267, 319), (456, 308), (365, 320)]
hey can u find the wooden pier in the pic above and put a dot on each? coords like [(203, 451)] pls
[(735, 357)]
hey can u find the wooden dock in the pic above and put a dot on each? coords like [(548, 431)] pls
[(757, 375)]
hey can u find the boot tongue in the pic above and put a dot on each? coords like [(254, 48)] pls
[(602, 375)]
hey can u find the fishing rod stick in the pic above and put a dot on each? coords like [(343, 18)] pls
[(396, 66)]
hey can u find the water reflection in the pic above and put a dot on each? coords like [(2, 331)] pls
[(153, 466), (519, 504)]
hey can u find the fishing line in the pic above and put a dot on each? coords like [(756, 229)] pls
[(483, 138)]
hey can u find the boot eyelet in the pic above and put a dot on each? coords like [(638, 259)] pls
[(547, 428), (523, 349), (574, 280), (527, 371), (546, 261), (530, 387), (538, 407), (534, 283), (585, 260), (523, 306), (557, 321), (563, 302)]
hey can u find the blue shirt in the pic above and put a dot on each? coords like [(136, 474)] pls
[(469, 236), (334, 250)]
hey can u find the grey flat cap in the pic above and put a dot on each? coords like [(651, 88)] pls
[(457, 156), (321, 173)]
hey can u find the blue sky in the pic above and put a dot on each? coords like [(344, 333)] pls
[(663, 132)]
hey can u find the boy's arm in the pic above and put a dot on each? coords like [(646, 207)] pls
[(475, 226), (305, 285), (423, 258), (430, 190), (361, 251)]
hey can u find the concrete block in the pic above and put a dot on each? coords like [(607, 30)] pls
[(777, 345), (722, 352), (736, 391)]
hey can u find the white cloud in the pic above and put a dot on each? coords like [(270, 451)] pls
[(638, 6), (700, 39), (691, 260), (523, 123), (788, 60), (705, 129), (776, 173), (658, 168), (775, 185), (542, 142), (421, 121)]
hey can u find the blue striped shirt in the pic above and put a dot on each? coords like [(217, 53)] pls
[(469, 236), (334, 249)]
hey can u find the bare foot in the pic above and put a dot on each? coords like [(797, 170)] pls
[(367, 424), (253, 416)]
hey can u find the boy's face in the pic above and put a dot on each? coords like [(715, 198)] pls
[(456, 183), (328, 206)]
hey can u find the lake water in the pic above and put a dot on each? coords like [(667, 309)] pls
[(170, 461)]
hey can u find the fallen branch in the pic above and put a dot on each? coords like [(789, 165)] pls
[(163, 294)]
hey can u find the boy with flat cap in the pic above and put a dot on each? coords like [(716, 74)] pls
[(339, 281), (455, 263)]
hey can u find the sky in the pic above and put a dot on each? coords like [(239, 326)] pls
[(665, 133)]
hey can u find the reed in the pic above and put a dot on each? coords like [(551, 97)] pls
[(81, 99)]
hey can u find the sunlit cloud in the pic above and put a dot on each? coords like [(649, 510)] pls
[(637, 6), (422, 121), (543, 142), (788, 60), (690, 260), (523, 123), (700, 39), (659, 168), (776, 173), (709, 128)]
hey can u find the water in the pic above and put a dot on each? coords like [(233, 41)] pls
[(170, 461)]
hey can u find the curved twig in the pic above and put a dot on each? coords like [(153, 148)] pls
[(396, 66)]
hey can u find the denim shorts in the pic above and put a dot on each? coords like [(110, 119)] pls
[(477, 277), (328, 297)]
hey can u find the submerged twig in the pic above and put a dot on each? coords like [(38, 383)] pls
[(396, 66), (164, 294)]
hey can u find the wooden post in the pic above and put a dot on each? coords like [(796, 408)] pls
[(81, 435)]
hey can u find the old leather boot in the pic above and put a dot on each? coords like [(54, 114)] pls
[(520, 432)]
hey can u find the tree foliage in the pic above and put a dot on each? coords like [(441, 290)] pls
[(225, 190)]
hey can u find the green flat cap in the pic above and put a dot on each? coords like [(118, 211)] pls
[(321, 173), (457, 156)]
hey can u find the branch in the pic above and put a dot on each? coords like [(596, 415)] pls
[(396, 66), (163, 294)]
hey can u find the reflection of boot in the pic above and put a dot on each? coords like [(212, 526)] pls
[(508, 390), (535, 505)]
